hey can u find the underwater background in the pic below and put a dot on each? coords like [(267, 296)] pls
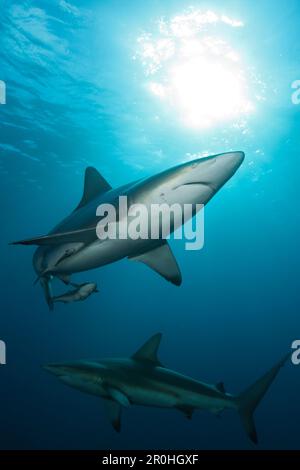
[(99, 83)]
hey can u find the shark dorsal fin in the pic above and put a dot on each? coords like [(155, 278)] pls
[(94, 184), (148, 352)]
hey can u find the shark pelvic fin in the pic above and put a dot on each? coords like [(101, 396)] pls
[(148, 352), (220, 386), (187, 411), (94, 184), (118, 396), (161, 260), (114, 411), (65, 278)]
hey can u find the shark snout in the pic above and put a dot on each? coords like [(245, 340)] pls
[(214, 171), (225, 167), (232, 159)]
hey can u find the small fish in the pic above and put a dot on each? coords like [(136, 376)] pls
[(82, 292)]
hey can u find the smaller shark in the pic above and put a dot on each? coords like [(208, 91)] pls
[(82, 292), (143, 380)]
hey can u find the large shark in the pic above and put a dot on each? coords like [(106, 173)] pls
[(143, 380), (73, 245)]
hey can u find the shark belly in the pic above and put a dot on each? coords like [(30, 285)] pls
[(161, 387), (152, 396), (100, 253), (165, 396)]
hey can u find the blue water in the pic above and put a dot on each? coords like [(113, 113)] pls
[(76, 96)]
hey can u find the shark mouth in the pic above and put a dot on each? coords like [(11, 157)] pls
[(207, 184), (198, 184)]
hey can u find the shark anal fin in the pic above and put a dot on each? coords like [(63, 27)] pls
[(94, 185), (118, 396), (114, 411), (161, 260), (148, 352)]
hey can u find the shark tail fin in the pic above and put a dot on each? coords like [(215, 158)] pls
[(251, 397)]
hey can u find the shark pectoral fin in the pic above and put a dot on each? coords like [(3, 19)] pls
[(148, 352), (161, 260), (118, 396), (94, 184), (86, 235), (114, 411)]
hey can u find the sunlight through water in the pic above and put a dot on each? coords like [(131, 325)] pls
[(199, 75)]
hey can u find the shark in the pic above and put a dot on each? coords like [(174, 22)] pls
[(143, 380), (81, 292), (73, 246)]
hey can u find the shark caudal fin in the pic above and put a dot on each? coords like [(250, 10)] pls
[(250, 398)]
